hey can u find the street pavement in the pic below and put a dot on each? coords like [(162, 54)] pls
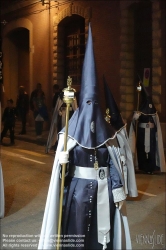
[(30, 135), (27, 171)]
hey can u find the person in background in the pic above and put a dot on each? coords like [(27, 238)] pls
[(8, 118), (22, 106), (56, 91), (34, 94), (40, 112)]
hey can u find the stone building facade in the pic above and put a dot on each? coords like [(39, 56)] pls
[(33, 47)]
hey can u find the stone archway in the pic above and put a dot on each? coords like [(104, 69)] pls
[(69, 11), (13, 26)]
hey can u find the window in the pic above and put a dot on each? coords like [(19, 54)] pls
[(74, 48)]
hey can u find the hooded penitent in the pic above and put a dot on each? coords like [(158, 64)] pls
[(116, 119), (149, 143), (146, 106), (94, 180), (117, 122), (88, 126)]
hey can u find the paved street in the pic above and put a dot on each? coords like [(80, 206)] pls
[(27, 171)]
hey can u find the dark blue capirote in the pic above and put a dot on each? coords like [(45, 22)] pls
[(146, 106), (88, 126), (146, 126), (116, 118)]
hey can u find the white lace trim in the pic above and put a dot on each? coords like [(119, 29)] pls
[(119, 194)]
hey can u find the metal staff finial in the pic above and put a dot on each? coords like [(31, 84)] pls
[(139, 88), (68, 99), (69, 81), (69, 92)]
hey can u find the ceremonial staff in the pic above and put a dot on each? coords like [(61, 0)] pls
[(68, 99), (139, 88)]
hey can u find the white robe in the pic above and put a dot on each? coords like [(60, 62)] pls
[(128, 168), (2, 199), (50, 220)]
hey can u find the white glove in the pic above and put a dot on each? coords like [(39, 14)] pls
[(136, 115), (63, 157), (119, 204)]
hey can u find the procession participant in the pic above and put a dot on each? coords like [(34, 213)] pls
[(40, 112), (119, 125), (94, 204), (2, 199), (9, 118), (34, 94), (147, 145), (22, 107), (56, 91)]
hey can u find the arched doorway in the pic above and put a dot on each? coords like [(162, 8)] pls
[(17, 61), (71, 44), (59, 21), (18, 51)]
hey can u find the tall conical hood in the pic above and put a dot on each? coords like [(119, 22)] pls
[(116, 119), (87, 125), (146, 106), (144, 93), (88, 81)]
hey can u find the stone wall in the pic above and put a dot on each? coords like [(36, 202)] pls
[(127, 61)]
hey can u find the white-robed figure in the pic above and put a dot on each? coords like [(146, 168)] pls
[(58, 121), (145, 137), (2, 199), (116, 121), (94, 212)]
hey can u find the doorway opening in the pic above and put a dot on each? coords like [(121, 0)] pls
[(143, 43), (16, 61), (71, 48)]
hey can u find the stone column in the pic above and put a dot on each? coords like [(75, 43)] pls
[(156, 55), (127, 61)]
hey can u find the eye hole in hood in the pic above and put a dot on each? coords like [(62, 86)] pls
[(89, 102)]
